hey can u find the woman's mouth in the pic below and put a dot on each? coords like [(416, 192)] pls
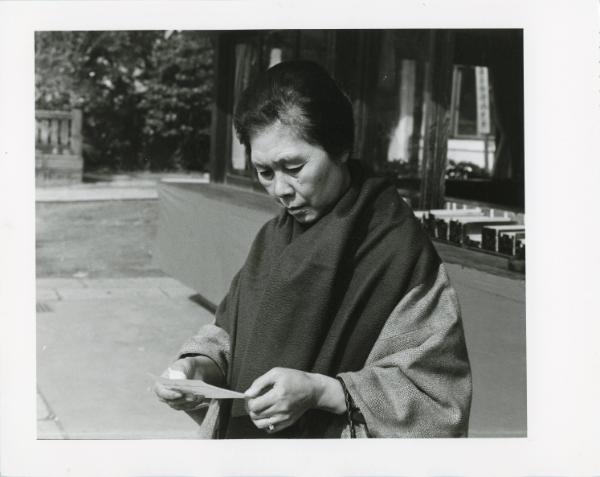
[(295, 210)]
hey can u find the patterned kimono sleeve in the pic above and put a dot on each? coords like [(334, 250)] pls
[(210, 341), (213, 342), (417, 380)]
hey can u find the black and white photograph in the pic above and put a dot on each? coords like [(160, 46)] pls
[(331, 223), (241, 235)]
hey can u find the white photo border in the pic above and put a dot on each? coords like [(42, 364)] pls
[(562, 126)]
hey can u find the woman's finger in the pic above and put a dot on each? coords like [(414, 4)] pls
[(272, 424), (260, 404), (188, 406), (261, 383), (184, 398), (188, 398), (188, 403), (264, 413), (201, 405), (165, 393)]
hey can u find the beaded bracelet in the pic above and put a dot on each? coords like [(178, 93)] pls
[(350, 406)]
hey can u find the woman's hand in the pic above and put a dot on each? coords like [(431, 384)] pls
[(195, 367), (279, 397)]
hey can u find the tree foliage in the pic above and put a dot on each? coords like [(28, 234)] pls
[(146, 95), (177, 102)]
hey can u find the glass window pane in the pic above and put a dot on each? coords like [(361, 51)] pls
[(391, 122), (246, 68), (467, 105)]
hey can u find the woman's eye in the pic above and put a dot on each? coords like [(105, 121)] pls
[(265, 174), (294, 170)]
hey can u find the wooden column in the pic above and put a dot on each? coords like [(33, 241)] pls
[(367, 54), (359, 102), (76, 125), (415, 139), (222, 106), (437, 93)]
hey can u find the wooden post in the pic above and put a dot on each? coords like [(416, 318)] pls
[(359, 102), (407, 108), (438, 88), (76, 132), (54, 125), (64, 134), (222, 106), (44, 132), (368, 60), (415, 140), (76, 170)]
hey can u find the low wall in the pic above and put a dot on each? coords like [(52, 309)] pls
[(58, 147), (205, 232)]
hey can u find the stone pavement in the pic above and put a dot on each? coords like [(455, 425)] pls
[(96, 341), (493, 312)]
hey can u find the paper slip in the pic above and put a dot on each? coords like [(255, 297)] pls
[(198, 387)]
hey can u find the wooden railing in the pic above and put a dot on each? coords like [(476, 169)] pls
[(58, 145)]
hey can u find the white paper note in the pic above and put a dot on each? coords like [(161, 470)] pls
[(198, 388)]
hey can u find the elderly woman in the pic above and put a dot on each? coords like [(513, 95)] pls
[(342, 321)]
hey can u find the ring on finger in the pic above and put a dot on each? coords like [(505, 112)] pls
[(271, 426)]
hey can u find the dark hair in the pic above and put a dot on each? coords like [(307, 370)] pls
[(301, 95)]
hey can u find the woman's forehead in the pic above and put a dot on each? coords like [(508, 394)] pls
[(276, 130), (279, 161), (278, 143)]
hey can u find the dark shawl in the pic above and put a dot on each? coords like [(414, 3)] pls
[(315, 298)]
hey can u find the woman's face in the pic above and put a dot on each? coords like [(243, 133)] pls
[(300, 176)]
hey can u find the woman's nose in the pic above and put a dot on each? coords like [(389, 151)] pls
[(281, 187)]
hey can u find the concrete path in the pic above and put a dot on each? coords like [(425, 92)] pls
[(96, 341), (493, 311)]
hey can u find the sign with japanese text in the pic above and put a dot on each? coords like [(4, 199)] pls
[(482, 89)]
